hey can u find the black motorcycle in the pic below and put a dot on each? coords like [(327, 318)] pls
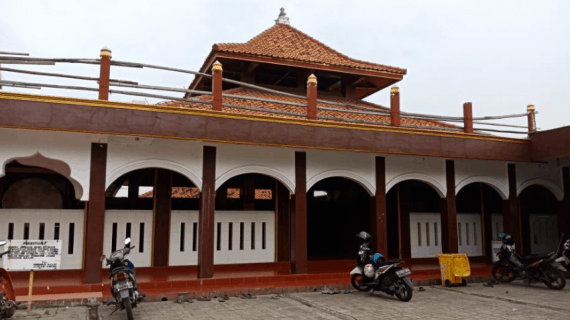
[(564, 258), (373, 273), (7, 297), (123, 281), (532, 268)]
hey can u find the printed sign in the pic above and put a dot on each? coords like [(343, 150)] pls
[(33, 255)]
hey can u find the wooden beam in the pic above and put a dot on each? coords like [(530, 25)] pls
[(281, 79), (380, 215), (206, 215), (334, 86), (449, 241), (252, 66)]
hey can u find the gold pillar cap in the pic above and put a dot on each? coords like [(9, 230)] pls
[(312, 80), (105, 53), (217, 67), (395, 89), (530, 108)]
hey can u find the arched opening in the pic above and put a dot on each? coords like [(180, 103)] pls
[(479, 218), (414, 220), (252, 220), (337, 209), (40, 204), (539, 219), (158, 209)]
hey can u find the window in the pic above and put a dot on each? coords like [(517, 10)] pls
[(459, 230), (56, 231), (263, 194), (71, 238), (234, 193), (241, 227), (42, 230), (194, 235), (219, 237), (128, 230), (10, 230), (26, 231), (141, 237), (475, 234), (428, 236), (436, 234), (114, 238), (182, 231), (253, 236), (419, 234), (230, 235), (263, 235), (467, 233)]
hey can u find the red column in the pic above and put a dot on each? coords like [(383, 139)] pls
[(380, 225), (531, 118), (95, 222), (312, 97), (449, 241), (511, 215), (395, 106), (104, 74), (206, 216), (468, 117), (217, 86), (299, 221), (161, 217)]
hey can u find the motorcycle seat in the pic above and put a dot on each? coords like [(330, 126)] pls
[(389, 262), (535, 257)]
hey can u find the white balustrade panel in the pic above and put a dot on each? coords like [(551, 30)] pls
[(425, 234), (139, 220), (543, 233), (496, 226), (65, 225), (183, 238), (469, 234)]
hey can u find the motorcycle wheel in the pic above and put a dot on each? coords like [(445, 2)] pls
[(356, 280), (128, 308), (558, 282), (503, 273), (406, 294), (9, 312)]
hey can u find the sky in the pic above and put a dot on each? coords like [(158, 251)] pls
[(499, 55)]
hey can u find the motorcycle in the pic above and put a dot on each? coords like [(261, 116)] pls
[(532, 268), (564, 258), (373, 273), (7, 296), (123, 281)]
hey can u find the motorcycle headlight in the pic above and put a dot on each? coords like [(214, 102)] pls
[(369, 270), (361, 252)]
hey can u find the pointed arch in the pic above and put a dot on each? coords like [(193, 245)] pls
[(556, 190), (145, 164), (259, 170), (438, 187), (344, 174), (501, 188)]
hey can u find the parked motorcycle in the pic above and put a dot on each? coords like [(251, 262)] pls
[(123, 281), (7, 296), (373, 273), (532, 268), (564, 258)]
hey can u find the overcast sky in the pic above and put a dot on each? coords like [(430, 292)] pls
[(500, 55)]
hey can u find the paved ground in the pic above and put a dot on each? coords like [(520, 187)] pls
[(512, 301)]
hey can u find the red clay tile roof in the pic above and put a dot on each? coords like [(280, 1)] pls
[(285, 42), (382, 120), (177, 192)]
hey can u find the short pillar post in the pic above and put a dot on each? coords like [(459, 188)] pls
[(531, 118), (217, 86), (468, 117), (395, 106), (312, 97), (104, 74)]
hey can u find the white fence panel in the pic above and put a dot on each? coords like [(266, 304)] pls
[(425, 234), (65, 225), (469, 234), (139, 221), (543, 233), (183, 249), (496, 226)]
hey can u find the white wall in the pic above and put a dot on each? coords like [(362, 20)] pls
[(547, 175), (233, 160), (72, 148), (49, 217), (428, 170), (492, 173), (125, 154), (359, 167), (135, 217)]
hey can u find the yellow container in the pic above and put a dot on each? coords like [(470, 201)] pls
[(454, 269)]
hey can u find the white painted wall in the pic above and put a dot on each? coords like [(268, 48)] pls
[(72, 148), (543, 233), (469, 234), (424, 238), (428, 170), (359, 167), (248, 254), (233, 160), (492, 173), (50, 217), (547, 175), (135, 217), (125, 154)]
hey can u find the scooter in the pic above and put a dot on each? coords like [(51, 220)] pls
[(564, 259), (7, 296), (123, 280)]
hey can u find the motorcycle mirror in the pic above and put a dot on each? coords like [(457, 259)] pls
[(3, 243), (128, 243), (102, 258)]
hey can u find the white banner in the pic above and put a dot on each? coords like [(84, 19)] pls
[(33, 255)]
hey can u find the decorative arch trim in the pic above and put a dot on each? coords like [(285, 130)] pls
[(438, 187), (56, 165), (145, 164), (501, 188), (259, 170), (344, 174), (556, 190)]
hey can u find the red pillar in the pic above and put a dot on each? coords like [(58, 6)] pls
[(468, 117), (380, 225), (312, 97), (104, 74), (395, 106), (531, 118), (299, 221), (449, 241), (206, 216), (217, 86), (511, 215), (95, 222), (161, 217)]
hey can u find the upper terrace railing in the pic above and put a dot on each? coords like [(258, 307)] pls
[(217, 103)]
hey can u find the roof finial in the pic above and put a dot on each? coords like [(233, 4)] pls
[(282, 19)]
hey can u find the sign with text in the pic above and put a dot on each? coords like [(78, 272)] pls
[(33, 255)]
